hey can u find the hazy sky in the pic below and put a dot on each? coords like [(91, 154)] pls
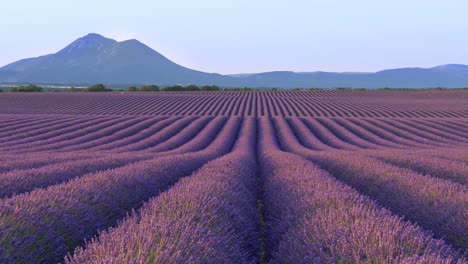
[(251, 36)]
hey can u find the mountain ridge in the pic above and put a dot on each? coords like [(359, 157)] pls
[(96, 59)]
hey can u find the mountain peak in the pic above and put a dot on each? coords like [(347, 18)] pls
[(93, 35), (88, 42), (96, 59)]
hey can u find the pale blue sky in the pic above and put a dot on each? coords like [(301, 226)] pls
[(251, 36)]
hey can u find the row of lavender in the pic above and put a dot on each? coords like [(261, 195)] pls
[(437, 198), (284, 209), (164, 133), (293, 212), (422, 104), (325, 221), (43, 225)]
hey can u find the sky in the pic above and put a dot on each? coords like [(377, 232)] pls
[(240, 36)]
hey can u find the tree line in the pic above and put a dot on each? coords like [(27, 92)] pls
[(179, 88), (143, 88)]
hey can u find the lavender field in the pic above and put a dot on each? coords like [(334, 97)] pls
[(234, 177)]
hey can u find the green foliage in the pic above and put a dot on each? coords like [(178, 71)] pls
[(192, 87), (343, 89), (238, 89), (132, 89), (98, 88), (405, 89), (149, 88), (1, 90), (210, 88), (174, 88), (245, 89), (26, 89), (74, 89)]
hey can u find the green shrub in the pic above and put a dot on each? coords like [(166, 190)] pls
[(74, 89), (26, 89), (98, 88), (174, 88), (192, 87), (238, 89), (210, 88), (149, 88)]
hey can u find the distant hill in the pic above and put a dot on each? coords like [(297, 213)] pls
[(96, 59)]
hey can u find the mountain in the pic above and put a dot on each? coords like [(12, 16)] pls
[(96, 59), (449, 76)]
